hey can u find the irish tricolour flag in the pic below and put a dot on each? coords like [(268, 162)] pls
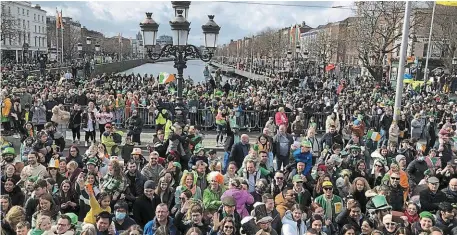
[(165, 78)]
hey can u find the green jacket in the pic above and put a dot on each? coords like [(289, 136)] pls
[(211, 199), (337, 205)]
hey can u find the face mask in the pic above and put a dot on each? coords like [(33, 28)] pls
[(120, 215)]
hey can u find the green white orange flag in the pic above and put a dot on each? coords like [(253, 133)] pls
[(165, 78), (447, 3)]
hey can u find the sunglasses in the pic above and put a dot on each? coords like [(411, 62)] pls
[(391, 224), (279, 178), (182, 198), (378, 165), (395, 178), (328, 189)]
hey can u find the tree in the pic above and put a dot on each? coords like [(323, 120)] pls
[(72, 36), (444, 34), (323, 47), (9, 28), (379, 29)]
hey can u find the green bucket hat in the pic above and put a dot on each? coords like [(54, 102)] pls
[(198, 148)]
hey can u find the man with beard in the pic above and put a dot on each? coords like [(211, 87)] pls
[(330, 138), (152, 170), (8, 155), (33, 168), (141, 214), (285, 201), (135, 181)]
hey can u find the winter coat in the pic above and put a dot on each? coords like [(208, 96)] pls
[(281, 119), (291, 227), (151, 227), (416, 128), (211, 199), (152, 172), (416, 170), (135, 125), (17, 196), (140, 215), (242, 198), (60, 116), (344, 218), (75, 119), (430, 201), (306, 158), (39, 115), (450, 195)]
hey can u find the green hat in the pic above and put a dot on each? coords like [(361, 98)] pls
[(297, 178), (177, 164), (426, 214), (73, 217), (198, 148), (92, 161), (306, 143), (380, 202), (8, 150)]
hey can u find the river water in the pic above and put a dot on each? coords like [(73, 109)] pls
[(194, 69)]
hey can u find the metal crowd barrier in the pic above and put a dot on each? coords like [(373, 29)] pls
[(247, 120)]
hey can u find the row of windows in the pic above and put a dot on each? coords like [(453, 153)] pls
[(38, 42), (35, 16), (41, 29)]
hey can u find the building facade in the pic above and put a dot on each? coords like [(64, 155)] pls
[(24, 32), (164, 40)]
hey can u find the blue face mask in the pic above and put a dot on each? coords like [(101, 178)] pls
[(120, 215)]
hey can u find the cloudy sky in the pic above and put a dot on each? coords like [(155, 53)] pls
[(236, 18)]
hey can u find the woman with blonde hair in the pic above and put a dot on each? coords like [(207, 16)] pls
[(188, 181), (357, 190), (14, 216)]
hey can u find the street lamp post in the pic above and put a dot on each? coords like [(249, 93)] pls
[(25, 49), (179, 49)]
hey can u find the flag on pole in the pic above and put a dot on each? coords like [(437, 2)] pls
[(57, 19), (60, 19), (375, 136), (447, 3), (165, 78)]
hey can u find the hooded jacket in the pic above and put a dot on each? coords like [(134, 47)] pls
[(151, 227), (242, 198), (281, 205), (291, 227)]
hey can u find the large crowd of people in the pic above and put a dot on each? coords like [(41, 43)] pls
[(366, 174)]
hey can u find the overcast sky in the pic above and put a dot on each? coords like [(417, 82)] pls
[(237, 19)]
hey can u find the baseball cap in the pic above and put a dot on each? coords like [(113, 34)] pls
[(433, 180), (327, 184), (297, 178), (108, 125), (229, 201)]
